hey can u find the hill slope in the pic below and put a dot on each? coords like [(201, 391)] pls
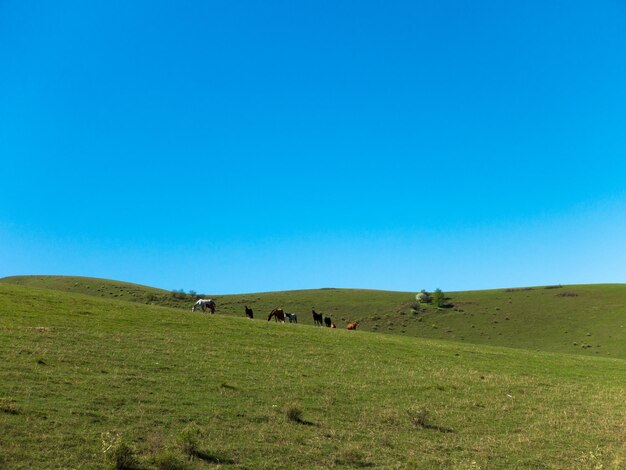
[(81, 374), (584, 319), (104, 288)]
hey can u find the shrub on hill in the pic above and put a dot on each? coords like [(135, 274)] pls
[(118, 453), (415, 308), (179, 294), (439, 299), (189, 440), (169, 460)]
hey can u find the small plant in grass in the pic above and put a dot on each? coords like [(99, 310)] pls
[(466, 465), (118, 453), (352, 457), (169, 459), (124, 458), (390, 416), (419, 417), (189, 440), (294, 413), (8, 406), (592, 460)]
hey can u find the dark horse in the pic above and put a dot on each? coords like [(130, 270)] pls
[(249, 312), (278, 314), (327, 322), (318, 318)]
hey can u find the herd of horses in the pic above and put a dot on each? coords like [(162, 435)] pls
[(278, 314)]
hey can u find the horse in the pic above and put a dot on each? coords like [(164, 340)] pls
[(352, 325), (293, 318), (278, 314), (249, 312), (204, 304), (332, 325), (327, 322), (317, 318)]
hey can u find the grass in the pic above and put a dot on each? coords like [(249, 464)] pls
[(586, 319), (105, 288), (79, 368)]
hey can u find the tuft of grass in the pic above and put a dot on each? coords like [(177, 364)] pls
[(118, 453), (352, 456), (189, 440), (124, 458), (389, 416), (169, 459), (419, 417), (8, 406), (293, 413)]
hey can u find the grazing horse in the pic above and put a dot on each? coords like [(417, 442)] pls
[(204, 304), (332, 325), (249, 312), (278, 314), (353, 325), (293, 318), (327, 321), (317, 318)]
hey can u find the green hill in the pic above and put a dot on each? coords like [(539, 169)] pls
[(104, 288), (583, 319), (85, 378)]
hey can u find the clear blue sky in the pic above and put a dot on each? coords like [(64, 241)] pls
[(249, 146)]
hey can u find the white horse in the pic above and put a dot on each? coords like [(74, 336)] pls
[(204, 304)]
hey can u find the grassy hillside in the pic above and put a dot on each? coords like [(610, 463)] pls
[(588, 320), (83, 377), (105, 288)]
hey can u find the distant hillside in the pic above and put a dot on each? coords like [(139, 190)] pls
[(86, 379), (105, 288), (582, 319)]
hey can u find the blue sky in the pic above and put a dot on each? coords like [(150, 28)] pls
[(249, 146)]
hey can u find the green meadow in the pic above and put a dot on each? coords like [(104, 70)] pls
[(99, 374), (584, 319)]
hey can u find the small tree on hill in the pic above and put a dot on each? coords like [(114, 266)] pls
[(439, 299)]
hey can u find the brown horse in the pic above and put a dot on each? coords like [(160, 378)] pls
[(352, 325), (278, 314)]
